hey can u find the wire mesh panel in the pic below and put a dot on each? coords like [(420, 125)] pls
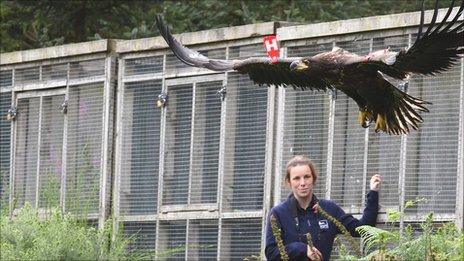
[(245, 51), (172, 236), (305, 128), (202, 240), (27, 131), (245, 132), (140, 142), (309, 49), (384, 150), (431, 163), (6, 78), (27, 75), (205, 154), (84, 141), (240, 239), (384, 159), (142, 236), (51, 144), (145, 65), (54, 71), (5, 131), (348, 142), (82, 69), (245, 144), (174, 65), (177, 144)]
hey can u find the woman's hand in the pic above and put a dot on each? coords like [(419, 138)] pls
[(375, 182), (314, 254)]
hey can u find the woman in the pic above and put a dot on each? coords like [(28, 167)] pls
[(303, 213)]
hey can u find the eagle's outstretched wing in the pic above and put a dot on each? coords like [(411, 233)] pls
[(261, 69), (435, 50)]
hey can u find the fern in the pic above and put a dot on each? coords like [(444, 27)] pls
[(373, 236)]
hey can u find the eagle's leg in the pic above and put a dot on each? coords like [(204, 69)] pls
[(364, 117), (380, 123)]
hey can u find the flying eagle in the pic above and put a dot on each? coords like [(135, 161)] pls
[(363, 78)]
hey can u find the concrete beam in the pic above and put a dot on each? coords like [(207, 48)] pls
[(202, 37), (55, 52)]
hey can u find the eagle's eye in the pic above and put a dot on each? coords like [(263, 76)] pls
[(299, 65)]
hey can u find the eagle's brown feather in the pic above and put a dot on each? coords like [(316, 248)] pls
[(362, 78)]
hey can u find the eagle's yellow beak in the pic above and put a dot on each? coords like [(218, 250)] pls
[(298, 66)]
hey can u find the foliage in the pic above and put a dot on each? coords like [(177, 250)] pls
[(443, 243), (47, 234), (28, 236), (373, 236), (434, 242), (50, 193), (34, 24), (4, 191)]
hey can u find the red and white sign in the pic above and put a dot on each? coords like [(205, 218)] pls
[(271, 46)]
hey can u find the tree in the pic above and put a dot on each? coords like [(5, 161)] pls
[(35, 24)]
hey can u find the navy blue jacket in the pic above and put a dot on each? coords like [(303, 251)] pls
[(295, 223)]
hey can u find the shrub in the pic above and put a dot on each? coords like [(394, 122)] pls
[(445, 242), (57, 237)]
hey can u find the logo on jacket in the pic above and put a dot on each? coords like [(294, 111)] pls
[(324, 224)]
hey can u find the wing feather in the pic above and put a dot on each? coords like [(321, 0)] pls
[(263, 71), (189, 56), (434, 51), (260, 70)]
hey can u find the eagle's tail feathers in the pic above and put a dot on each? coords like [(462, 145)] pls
[(416, 104), (411, 112), (401, 117), (408, 119), (401, 121)]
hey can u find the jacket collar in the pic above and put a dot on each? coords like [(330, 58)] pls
[(295, 207)]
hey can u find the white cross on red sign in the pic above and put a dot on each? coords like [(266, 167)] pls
[(271, 46)]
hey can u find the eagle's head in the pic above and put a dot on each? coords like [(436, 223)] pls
[(299, 65)]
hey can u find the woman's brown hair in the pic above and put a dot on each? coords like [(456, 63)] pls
[(300, 160)]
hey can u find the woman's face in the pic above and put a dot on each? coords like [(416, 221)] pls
[(301, 181)]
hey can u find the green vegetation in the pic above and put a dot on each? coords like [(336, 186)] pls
[(31, 235), (47, 234), (430, 242), (443, 243), (34, 24)]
